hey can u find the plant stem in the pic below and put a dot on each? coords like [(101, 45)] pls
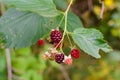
[(102, 9), (7, 51), (9, 68), (65, 28)]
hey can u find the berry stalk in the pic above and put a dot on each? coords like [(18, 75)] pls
[(65, 28)]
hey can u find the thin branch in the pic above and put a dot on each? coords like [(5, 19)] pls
[(7, 51), (69, 6), (102, 9), (9, 68), (65, 74), (65, 28)]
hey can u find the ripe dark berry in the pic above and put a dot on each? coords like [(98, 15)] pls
[(75, 53), (40, 42), (59, 58), (56, 36)]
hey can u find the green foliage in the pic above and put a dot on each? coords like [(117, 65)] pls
[(32, 75), (30, 20), (117, 74), (73, 22), (2, 62), (22, 29), (3, 74), (90, 41), (26, 65), (43, 7), (61, 4)]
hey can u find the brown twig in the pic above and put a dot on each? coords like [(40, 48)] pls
[(7, 51)]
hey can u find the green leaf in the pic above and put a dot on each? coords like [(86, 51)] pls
[(61, 4), (43, 7), (90, 41), (22, 29), (73, 22)]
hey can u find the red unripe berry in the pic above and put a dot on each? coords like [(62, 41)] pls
[(75, 53), (40, 42), (56, 36)]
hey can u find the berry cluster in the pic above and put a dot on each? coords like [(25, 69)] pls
[(53, 54)]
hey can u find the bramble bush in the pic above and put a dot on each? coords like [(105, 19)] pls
[(41, 33)]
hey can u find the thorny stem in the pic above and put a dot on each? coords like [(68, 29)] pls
[(65, 28), (7, 51)]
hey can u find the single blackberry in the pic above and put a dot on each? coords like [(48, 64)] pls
[(75, 53), (56, 36), (59, 58)]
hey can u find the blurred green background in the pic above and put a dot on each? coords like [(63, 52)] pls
[(27, 63)]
